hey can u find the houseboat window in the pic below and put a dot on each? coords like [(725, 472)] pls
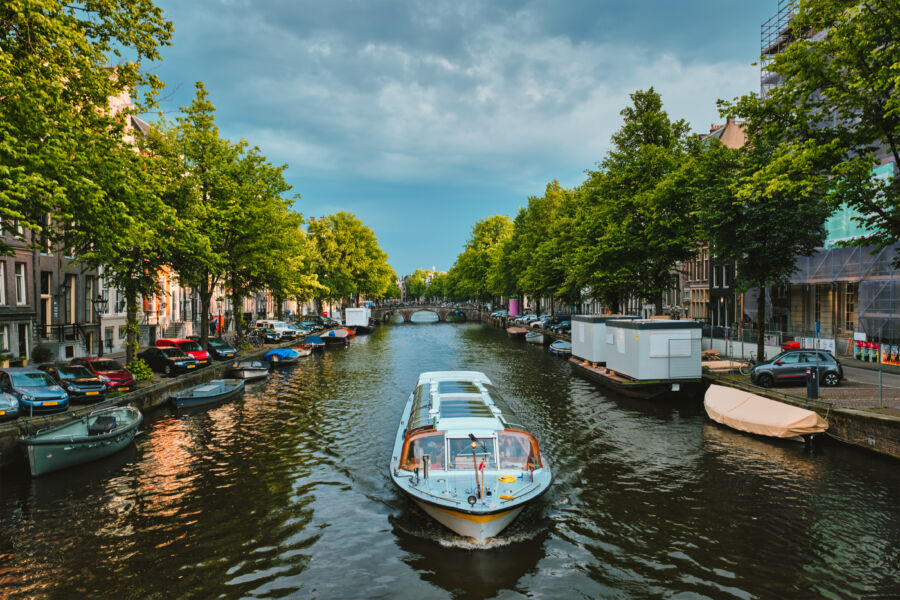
[(430, 444), (518, 450), (461, 453)]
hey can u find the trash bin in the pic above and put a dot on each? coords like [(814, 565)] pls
[(812, 383)]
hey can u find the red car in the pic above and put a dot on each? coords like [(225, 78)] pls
[(114, 375), (790, 345), (191, 347)]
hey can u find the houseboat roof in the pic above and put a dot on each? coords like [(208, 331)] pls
[(457, 400), (655, 324)]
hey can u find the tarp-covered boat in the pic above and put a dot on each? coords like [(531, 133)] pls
[(314, 342), (217, 390), (462, 455), (748, 412), (81, 440), (560, 348), (282, 356)]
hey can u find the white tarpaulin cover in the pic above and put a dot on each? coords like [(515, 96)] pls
[(748, 412)]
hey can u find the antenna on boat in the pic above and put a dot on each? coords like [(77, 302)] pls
[(475, 462)]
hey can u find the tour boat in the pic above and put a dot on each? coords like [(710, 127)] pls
[(755, 414), (462, 456), (81, 439)]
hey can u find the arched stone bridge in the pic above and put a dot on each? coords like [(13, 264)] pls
[(385, 313)]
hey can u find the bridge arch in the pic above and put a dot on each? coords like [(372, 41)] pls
[(388, 314)]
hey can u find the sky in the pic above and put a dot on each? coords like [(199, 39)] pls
[(423, 117)]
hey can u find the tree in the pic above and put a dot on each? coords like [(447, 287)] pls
[(634, 230), (415, 284), (842, 85), (55, 73), (758, 205), (470, 272)]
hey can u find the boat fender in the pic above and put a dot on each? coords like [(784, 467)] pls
[(506, 478), (506, 496)]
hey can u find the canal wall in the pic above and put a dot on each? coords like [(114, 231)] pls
[(146, 398)]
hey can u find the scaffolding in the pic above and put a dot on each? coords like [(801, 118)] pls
[(775, 34)]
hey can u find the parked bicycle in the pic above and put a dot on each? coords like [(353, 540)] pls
[(747, 366)]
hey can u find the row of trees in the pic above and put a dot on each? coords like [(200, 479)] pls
[(660, 193), (180, 197)]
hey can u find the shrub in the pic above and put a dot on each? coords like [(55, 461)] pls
[(140, 369), (42, 353)]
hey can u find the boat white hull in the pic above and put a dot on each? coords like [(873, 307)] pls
[(478, 527)]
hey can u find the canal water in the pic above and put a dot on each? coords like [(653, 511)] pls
[(286, 494)]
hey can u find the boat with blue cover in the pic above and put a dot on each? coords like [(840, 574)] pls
[(281, 357), (217, 390), (463, 456), (82, 439), (314, 342), (560, 348)]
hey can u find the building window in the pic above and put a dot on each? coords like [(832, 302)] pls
[(4, 338), (850, 307), (21, 296), (70, 299), (818, 304), (2, 283)]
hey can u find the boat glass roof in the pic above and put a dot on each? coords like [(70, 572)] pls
[(419, 416), (458, 387), (465, 407), (506, 413)]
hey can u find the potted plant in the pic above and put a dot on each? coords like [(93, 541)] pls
[(4, 359), (23, 360)]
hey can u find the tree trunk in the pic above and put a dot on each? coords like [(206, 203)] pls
[(657, 303), (238, 315), (279, 307), (761, 325), (205, 291), (132, 330)]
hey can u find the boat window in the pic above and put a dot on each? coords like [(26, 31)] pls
[(461, 453), (419, 416), (429, 444), (518, 450), (506, 413)]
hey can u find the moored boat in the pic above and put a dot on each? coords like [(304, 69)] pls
[(516, 332), (303, 349), (314, 342), (751, 413), (217, 390), (535, 337), (560, 348), (249, 369), (462, 456), (282, 357), (82, 439), (334, 337)]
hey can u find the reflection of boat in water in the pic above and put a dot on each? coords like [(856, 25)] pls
[(462, 456), (560, 348), (82, 439), (750, 413)]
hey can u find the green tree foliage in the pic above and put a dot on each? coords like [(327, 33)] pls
[(842, 86), (55, 73), (348, 258), (470, 274), (416, 285)]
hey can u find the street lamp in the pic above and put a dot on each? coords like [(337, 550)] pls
[(100, 303)]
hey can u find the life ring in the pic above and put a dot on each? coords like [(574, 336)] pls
[(506, 478)]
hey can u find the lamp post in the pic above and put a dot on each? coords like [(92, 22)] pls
[(100, 304)]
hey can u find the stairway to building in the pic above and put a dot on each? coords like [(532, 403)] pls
[(174, 330)]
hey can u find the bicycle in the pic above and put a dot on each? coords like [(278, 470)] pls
[(747, 367)]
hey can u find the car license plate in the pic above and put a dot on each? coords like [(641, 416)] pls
[(230, 354), (191, 366), (202, 362), (92, 393), (2, 412), (124, 388), (54, 403)]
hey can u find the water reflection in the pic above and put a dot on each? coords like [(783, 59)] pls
[(285, 493)]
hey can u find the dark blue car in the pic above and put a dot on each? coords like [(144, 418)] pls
[(36, 392)]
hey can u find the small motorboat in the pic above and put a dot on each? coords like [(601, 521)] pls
[(314, 342), (281, 357), (351, 331), (249, 369), (81, 439), (516, 332), (303, 349), (462, 455), (751, 413), (560, 348), (334, 337), (535, 337), (217, 390)]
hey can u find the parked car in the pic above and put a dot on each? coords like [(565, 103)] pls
[(539, 322), (218, 348), (168, 360), (9, 406), (270, 336), (790, 345), (111, 372), (790, 367), (81, 384), (561, 327), (188, 347), (34, 390), (280, 326)]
